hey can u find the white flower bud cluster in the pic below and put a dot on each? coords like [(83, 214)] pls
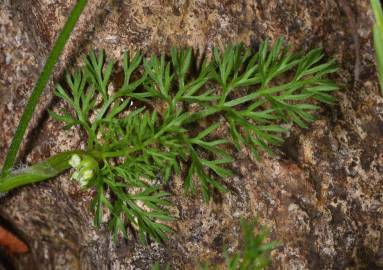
[(85, 169)]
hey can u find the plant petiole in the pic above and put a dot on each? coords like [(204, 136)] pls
[(41, 171)]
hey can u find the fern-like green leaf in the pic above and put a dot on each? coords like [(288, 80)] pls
[(180, 123)]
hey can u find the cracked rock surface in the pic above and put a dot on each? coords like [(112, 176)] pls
[(321, 194)]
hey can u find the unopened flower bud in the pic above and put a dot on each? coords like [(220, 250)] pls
[(75, 161), (86, 175), (85, 166), (76, 175)]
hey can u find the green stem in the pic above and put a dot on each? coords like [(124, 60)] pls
[(41, 83), (225, 92), (119, 153), (37, 172), (124, 152)]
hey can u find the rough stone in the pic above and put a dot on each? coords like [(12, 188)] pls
[(321, 194)]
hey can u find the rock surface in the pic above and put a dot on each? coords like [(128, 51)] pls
[(321, 195)]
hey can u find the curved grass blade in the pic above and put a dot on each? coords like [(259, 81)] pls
[(378, 38), (41, 83)]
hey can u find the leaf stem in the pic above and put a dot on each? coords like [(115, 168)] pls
[(38, 172), (41, 83)]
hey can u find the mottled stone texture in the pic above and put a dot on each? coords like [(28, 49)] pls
[(321, 194)]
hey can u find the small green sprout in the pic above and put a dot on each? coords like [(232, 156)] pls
[(254, 250)]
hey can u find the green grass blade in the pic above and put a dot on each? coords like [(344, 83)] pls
[(378, 43), (378, 39), (41, 83), (377, 9)]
